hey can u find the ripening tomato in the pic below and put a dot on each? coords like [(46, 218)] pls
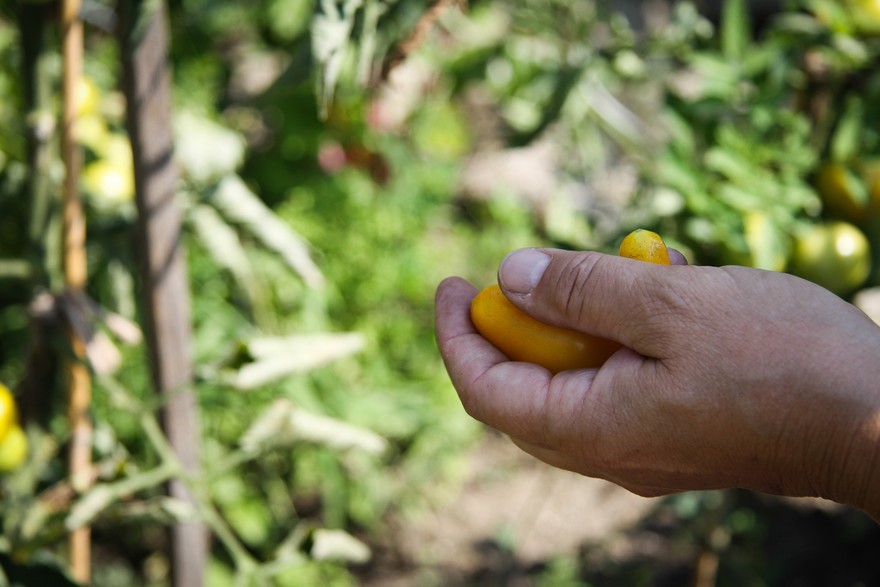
[(645, 245), (835, 255)]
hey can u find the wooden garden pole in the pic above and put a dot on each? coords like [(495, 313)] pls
[(166, 298), (74, 266)]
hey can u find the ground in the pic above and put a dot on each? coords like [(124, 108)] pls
[(514, 516)]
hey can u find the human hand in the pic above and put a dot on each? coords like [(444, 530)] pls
[(730, 377)]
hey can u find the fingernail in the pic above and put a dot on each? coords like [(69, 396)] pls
[(521, 270)]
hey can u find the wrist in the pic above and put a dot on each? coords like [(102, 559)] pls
[(859, 482), (851, 471)]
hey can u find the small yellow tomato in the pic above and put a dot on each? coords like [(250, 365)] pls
[(88, 96), (645, 245), (108, 183), (8, 411), (523, 338), (13, 449)]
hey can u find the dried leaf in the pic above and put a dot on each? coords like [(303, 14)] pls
[(222, 243), (237, 203), (95, 501), (282, 423), (338, 545), (279, 357)]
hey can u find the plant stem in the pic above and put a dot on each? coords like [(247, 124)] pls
[(244, 562)]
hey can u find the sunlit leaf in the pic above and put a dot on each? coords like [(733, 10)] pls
[(95, 501), (735, 29), (279, 357), (284, 424), (338, 545), (222, 243), (205, 149), (237, 203)]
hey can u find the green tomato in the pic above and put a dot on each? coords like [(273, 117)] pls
[(835, 255), (851, 193), (865, 15)]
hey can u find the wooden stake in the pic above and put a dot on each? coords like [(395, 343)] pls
[(165, 292), (75, 271)]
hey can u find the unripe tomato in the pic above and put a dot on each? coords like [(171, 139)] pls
[(865, 15), (13, 449), (8, 412), (523, 338), (835, 255), (850, 193)]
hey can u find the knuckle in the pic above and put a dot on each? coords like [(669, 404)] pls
[(576, 285)]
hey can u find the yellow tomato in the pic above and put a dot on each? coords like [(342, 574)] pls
[(523, 338), (835, 255), (109, 182), (13, 449), (8, 412), (645, 245), (88, 96)]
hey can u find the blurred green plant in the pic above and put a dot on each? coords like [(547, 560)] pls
[(321, 213)]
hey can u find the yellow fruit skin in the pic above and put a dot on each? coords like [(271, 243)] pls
[(522, 338), (13, 449), (8, 411), (645, 245)]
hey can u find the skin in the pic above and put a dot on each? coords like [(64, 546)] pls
[(730, 377)]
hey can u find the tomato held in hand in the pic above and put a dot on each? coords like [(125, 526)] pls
[(523, 338), (645, 245)]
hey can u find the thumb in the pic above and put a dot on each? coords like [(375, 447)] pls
[(632, 302)]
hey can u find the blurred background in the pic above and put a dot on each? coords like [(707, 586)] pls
[(335, 161)]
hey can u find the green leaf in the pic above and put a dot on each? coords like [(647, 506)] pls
[(845, 143), (237, 203), (223, 245), (735, 30)]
